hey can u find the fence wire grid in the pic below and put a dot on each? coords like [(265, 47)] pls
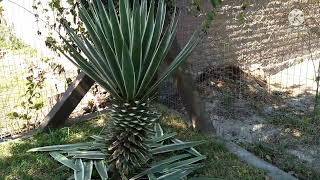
[(32, 78), (252, 59)]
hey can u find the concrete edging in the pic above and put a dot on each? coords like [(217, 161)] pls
[(273, 171)]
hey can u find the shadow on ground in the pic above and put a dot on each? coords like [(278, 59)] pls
[(17, 164)]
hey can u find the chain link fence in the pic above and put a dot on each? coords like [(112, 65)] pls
[(32, 77), (252, 62)]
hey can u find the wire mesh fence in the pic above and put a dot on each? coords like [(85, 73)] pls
[(32, 77), (252, 61), (253, 58)]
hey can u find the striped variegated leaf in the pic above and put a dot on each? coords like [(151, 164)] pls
[(126, 46), (69, 147), (175, 147), (88, 168), (79, 174), (102, 169), (65, 161)]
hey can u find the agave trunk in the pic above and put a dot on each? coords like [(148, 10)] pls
[(131, 126)]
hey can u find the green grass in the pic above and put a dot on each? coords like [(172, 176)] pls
[(278, 156), (297, 130), (301, 129), (15, 163)]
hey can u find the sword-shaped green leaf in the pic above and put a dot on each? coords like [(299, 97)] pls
[(116, 31), (182, 56), (108, 46), (175, 147), (186, 162), (88, 168), (65, 161), (190, 150), (158, 129), (128, 73), (160, 166), (156, 36), (152, 176), (163, 138), (136, 43), (78, 146), (179, 174), (102, 169), (124, 20), (79, 174)]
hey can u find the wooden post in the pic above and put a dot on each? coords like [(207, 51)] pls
[(60, 112)]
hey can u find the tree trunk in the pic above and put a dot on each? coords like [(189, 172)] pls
[(189, 94)]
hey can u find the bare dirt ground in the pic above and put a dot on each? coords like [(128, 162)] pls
[(258, 115)]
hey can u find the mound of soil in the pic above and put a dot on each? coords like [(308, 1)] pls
[(232, 82)]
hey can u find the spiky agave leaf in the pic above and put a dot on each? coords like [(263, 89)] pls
[(125, 48), (80, 158), (174, 159)]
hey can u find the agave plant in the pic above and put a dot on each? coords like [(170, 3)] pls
[(84, 158), (122, 52)]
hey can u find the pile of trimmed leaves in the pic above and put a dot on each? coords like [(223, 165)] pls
[(171, 157)]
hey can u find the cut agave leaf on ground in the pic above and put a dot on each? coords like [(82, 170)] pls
[(160, 166), (102, 169), (69, 147), (98, 138), (64, 160), (179, 174), (192, 167), (185, 162), (93, 155), (175, 147), (158, 129), (203, 178), (190, 150), (90, 156), (163, 138), (88, 167), (176, 166), (79, 175), (154, 145), (152, 176), (74, 153)]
